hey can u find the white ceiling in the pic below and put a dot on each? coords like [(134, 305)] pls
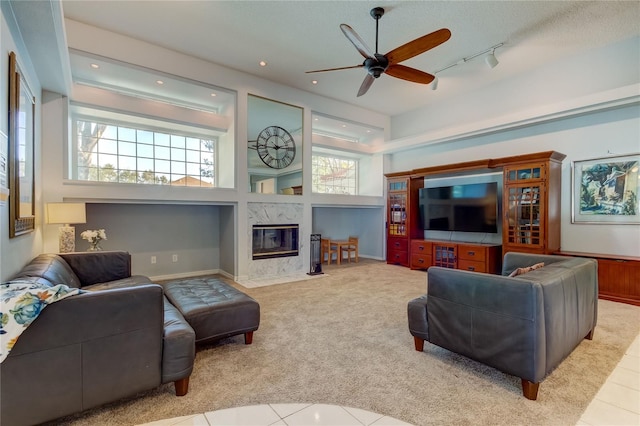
[(298, 36)]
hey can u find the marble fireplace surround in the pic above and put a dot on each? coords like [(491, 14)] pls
[(271, 214)]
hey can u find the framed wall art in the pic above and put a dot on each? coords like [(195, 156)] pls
[(605, 190), (21, 152)]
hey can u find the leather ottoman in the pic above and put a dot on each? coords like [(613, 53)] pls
[(214, 309)]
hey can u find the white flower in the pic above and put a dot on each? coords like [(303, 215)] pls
[(94, 235)]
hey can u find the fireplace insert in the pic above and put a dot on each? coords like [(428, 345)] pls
[(270, 241)]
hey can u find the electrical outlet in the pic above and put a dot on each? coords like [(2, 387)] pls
[(174, 258), (153, 260)]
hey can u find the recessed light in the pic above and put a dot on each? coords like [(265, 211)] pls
[(214, 95), (263, 63), (314, 81), (344, 125), (160, 82), (95, 66)]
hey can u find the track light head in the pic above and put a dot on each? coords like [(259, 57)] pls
[(491, 60)]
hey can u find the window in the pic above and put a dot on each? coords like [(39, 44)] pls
[(116, 152), (334, 175), (131, 124)]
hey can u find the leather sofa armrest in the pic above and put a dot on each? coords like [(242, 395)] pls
[(94, 315), (99, 267)]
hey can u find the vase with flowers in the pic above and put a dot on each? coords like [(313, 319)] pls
[(94, 236)]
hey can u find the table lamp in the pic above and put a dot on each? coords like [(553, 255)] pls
[(66, 213)]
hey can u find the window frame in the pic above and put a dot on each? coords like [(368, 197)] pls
[(355, 183), (72, 146)]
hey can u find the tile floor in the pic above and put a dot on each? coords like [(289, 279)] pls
[(284, 415), (617, 403), (618, 400)]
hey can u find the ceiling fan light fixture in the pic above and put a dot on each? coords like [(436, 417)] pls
[(491, 60)]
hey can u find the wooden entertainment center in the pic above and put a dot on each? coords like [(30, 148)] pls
[(530, 223), (530, 214)]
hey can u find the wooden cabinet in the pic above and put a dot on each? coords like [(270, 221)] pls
[(531, 205), (618, 276), (467, 256), (530, 212), (480, 258), (420, 254), (402, 217)]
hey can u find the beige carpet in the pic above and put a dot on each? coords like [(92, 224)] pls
[(343, 339)]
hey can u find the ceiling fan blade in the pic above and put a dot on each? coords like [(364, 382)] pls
[(335, 69), (409, 74), (418, 46), (368, 81), (357, 41)]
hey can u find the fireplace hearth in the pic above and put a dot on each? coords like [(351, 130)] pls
[(271, 241)]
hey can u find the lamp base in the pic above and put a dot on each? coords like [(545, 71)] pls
[(67, 239)]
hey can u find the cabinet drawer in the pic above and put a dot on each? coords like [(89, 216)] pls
[(469, 252), (420, 247), (420, 261), (399, 257), (471, 265), (397, 244)]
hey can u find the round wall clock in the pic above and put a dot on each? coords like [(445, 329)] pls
[(276, 147)]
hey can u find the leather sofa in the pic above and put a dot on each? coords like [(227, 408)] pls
[(120, 337), (524, 325)]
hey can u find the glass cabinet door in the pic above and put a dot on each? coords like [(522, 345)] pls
[(445, 255), (397, 215), (525, 172), (524, 214)]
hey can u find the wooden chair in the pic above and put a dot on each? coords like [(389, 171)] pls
[(352, 247), (327, 248)]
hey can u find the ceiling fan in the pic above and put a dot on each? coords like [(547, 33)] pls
[(377, 64)]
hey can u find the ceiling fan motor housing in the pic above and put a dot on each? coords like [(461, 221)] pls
[(376, 66)]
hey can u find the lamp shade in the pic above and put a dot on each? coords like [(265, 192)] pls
[(66, 213)]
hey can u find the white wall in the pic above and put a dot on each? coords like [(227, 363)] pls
[(15, 252), (596, 71)]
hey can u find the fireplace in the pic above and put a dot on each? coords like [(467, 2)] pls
[(270, 241)]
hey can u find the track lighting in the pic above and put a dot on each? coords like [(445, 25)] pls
[(491, 60)]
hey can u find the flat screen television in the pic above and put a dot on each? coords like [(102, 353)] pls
[(471, 207)]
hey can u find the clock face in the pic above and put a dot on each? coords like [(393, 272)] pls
[(276, 147)]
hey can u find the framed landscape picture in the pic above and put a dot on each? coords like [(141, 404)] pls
[(605, 190)]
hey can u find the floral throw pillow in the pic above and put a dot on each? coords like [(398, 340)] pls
[(520, 271)]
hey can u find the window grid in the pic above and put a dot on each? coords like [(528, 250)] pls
[(113, 153), (334, 175)]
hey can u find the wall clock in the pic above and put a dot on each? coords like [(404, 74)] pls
[(276, 147)]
